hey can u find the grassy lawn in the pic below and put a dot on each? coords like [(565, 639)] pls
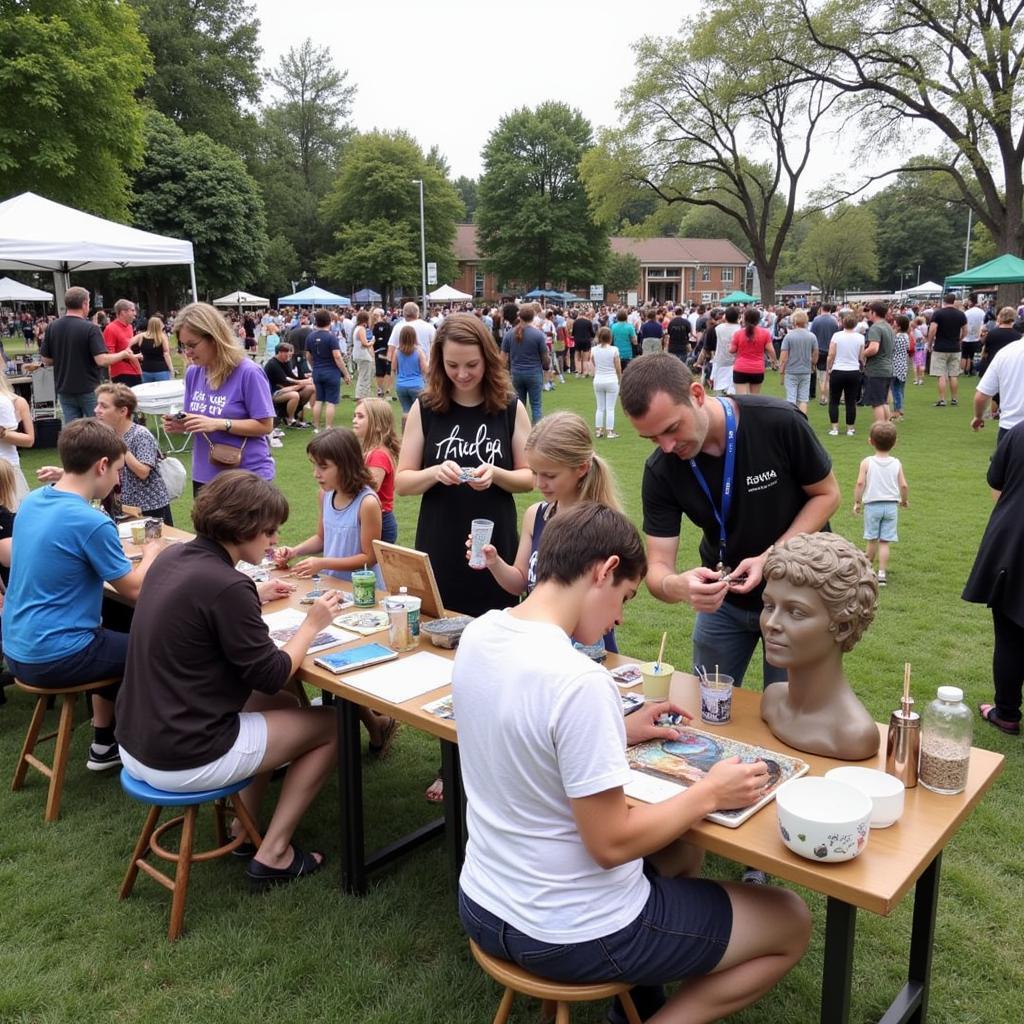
[(70, 951)]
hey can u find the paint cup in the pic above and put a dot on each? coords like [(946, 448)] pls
[(657, 679), (412, 606), (364, 588), (138, 533), (716, 699), (398, 623), (480, 534)]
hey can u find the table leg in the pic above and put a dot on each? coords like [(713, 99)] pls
[(837, 973), (454, 811), (350, 797)]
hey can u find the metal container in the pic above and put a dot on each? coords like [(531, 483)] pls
[(903, 747)]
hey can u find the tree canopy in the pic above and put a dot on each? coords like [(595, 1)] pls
[(839, 249), (192, 187), (72, 126), (533, 218), (206, 54), (621, 273), (373, 213)]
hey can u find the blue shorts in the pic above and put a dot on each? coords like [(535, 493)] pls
[(683, 930), (327, 386), (880, 520)]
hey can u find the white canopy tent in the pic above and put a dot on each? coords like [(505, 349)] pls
[(313, 296), (928, 288), (446, 293), (15, 291), (39, 234), (241, 299)]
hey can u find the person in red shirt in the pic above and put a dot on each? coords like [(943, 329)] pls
[(374, 424), (750, 345), (117, 336)]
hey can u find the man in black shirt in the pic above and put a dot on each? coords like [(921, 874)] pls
[(679, 334), (782, 484), (945, 336), (583, 339), (288, 392), (73, 345)]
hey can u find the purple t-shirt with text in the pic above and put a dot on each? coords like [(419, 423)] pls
[(243, 395)]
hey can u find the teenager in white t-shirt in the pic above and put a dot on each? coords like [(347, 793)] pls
[(561, 874)]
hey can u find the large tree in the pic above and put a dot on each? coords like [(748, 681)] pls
[(206, 55), (533, 220), (839, 250), (621, 273), (467, 189), (72, 129), (704, 124), (373, 213), (192, 187), (939, 68)]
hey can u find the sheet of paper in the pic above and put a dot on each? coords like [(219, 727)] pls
[(649, 789), (401, 680), (283, 625)]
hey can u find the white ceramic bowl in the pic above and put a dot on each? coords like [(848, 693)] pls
[(823, 820), (885, 791)]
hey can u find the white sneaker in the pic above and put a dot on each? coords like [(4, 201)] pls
[(276, 442), (882, 580), (834, 432), (547, 387), (850, 432), (561, 379)]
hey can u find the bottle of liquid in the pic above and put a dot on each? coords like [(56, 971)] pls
[(946, 728)]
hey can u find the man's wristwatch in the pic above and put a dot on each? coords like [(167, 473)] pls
[(227, 426)]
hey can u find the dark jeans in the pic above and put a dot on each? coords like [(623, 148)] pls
[(76, 406), (104, 656), (388, 527), (844, 385), (529, 386), (1007, 665)]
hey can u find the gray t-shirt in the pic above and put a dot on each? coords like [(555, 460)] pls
[(880, 364), (802, 347)]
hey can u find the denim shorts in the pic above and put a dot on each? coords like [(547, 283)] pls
[(103, 657), (880, 520), (327, 385), (682, 931)]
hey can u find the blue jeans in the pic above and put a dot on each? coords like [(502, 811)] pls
[(77, 406), (102, 657), (529, 386), (149, 378), (406, 396), (388, 527), (727, 638), (898, 387)]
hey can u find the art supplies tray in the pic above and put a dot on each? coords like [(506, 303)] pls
[(662, 768), (363, 623)]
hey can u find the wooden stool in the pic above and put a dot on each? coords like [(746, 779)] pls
[(149, 837), (556, 994), (65, 727)]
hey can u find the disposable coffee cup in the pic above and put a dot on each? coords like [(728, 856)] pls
[(138, 533), (657, 677), (716, 699), (412, 605), (480, 534)]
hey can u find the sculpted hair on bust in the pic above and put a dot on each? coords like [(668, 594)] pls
[(841, 574)]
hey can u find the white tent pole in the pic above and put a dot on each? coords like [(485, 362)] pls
[(192, 275)]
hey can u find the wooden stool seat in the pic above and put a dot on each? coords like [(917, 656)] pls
[(150, 836), (555, 994), (62, 747)]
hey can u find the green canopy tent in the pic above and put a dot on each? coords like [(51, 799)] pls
[(1005, 269), (734, 297)]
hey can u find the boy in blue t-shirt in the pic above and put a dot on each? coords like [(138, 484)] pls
[(62, 551)]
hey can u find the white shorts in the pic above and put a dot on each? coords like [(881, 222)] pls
[(240, 762)]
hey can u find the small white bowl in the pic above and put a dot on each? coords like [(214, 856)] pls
[(885, 791), (823, 820)]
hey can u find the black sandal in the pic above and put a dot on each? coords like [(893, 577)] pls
[(988, 712), (380, 750), (262, 877)]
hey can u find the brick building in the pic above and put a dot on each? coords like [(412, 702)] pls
[(671, 269)]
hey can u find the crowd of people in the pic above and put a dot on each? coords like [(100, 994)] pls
[(561, 874)]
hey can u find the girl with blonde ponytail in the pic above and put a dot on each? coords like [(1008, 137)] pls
[(560, 451)]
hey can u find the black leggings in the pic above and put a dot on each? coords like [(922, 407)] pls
[(844, 384), (1007, 665)]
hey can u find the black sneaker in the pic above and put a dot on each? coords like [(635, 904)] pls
[(101, 760), (954, 402)]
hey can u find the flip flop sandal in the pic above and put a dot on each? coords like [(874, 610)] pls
[(988, 712), (382, 749), (435, 791), (262, 877)]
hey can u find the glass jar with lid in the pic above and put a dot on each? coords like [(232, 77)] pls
[(946, 729)]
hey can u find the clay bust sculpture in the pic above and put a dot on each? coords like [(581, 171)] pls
[(819, 597)]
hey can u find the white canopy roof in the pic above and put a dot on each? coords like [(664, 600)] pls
[(928, 288), (241, 299), (38, 234), (313, 296), (15, 291), (446, 293)]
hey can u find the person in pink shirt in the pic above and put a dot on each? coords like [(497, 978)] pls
[(750, 345)]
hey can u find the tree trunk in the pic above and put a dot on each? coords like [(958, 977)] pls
[(1010, 241)]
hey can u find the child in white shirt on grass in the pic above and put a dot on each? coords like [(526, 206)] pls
[(881, 491)]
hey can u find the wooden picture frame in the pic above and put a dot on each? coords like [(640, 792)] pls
[(409, 568)]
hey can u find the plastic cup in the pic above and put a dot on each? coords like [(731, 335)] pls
[(412, 605), (398, 623), (657, 677), (716, 699), (364, 588), (138, 533), (480, 533)]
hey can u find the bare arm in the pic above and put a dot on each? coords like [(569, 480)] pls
[(24, 434), (904, 490), (858, 487), (129, 585), (410, 478), (520, 477), (109, 358), (513, 577), (340, 363)]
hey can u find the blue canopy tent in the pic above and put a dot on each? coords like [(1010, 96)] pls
[(314, 296), (366, 295), (543, 293)]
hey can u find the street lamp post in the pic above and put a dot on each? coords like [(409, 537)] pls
[(423, 247)]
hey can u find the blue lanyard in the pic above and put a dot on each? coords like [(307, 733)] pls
[(722, 515)]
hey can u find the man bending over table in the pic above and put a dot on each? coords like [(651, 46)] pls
[(63, 550)]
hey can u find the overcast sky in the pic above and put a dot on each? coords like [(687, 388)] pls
[(446, 71)]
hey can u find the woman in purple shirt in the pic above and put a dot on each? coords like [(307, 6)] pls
[(227, 399)]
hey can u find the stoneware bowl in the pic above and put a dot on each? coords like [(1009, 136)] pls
[(885, 791), (822, 819), (446, 633)]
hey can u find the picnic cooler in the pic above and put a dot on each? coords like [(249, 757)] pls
[(157, 397)]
